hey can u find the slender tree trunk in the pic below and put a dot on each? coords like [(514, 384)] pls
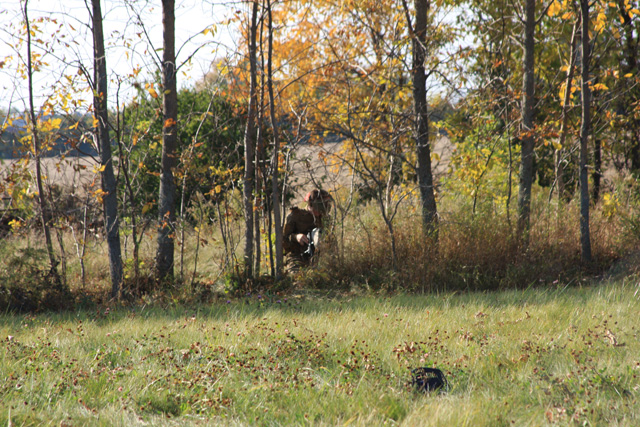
[(393, 166), (425, 176), (597, 170), (110, 198), (45, 213), (129, 198), (200, 222), (260, 207), (166, 201), (527, 129), (275, 192), (559, 154), (585, 237), (81, 245), (509, 179), (249, 147)]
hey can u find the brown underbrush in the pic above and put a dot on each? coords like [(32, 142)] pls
[(478, 252), (471, 252)]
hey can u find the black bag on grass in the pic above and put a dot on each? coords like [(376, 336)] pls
[(428, 379)]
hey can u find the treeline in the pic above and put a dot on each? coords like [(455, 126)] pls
[(70, 138), (539, 101)]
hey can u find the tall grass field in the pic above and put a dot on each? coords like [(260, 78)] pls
[(552, 355)]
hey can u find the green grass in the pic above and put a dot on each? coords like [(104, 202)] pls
[(554, 355)]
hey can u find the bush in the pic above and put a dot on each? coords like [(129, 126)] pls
[(475, 252), (27, 284)]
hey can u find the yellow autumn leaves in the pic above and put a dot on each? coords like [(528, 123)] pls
[(564, 10), (594, 87)]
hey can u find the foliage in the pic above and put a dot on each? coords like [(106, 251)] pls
[(63, 139), (345, 75), (494, 80), (63, 135), (209, 145), (476, 252), (481, 165), (27, 285)]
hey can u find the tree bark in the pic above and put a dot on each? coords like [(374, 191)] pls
[(527, 126), (164, 261), (559, 154), (585, 127), (45, 213), (597, 171), (275, 192), (108, 179), (249, 147), (129, 198), (423, 149)]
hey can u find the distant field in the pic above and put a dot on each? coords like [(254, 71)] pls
[(70, 173), (548, 356), (308, 167), (315, 164)]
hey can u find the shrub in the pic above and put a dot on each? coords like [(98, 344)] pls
[(476, 251), (28, 284)]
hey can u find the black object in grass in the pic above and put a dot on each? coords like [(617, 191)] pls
[(428, 379)]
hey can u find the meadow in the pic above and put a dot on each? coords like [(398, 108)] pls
[(549, 355)]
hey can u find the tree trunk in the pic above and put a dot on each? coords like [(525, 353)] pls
[(109, 199), (45, 213), (597, 171), (249, 147), (559, 154), (527, 126), (585, 237), (425, 176), (275, 192), (129, 198), (166, 201)]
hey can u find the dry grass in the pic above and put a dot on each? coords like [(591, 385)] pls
[(476, 252)]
